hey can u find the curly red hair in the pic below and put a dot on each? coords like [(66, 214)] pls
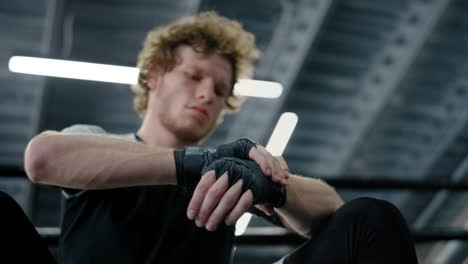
[(205, 32)]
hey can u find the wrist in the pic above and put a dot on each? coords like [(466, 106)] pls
[(179, 167), (189, 163)]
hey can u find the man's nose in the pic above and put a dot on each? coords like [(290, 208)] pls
[(206, 91)]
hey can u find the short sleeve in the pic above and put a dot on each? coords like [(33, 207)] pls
[(91, 129)]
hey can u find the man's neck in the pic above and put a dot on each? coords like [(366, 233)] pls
[(154, 133)]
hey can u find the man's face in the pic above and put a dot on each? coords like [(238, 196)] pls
[(189, 99)]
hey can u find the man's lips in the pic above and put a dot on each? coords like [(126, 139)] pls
[(201, 110)]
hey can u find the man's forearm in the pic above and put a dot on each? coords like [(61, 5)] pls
[(85, 161), (309, 203)]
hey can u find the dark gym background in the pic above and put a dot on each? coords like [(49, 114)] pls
[(380, 88)]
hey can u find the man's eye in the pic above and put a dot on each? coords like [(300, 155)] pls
[(219, 92), (194, 77)]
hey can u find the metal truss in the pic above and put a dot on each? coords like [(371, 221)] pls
[(458, 123), (299, 26), (387, 70)]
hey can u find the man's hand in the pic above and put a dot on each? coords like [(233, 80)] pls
[(191, 160), (274, 167), (240, 183), (212, 202)]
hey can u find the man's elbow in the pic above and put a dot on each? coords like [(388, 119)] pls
[(37, 156)]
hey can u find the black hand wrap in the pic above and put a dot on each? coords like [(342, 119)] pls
[(191, 160), (237, 149), (189, 164), (264, 190)]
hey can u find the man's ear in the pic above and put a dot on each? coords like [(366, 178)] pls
[(152, 77)]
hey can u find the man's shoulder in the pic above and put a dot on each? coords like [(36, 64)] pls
[(94, 129), (84, 128)]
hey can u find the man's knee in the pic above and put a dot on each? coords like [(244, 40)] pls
[(372, 211), (5, 198), (8, 204)]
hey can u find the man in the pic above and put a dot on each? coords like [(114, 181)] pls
[(155, 197)]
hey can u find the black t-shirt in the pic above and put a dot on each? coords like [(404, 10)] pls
[(138, 225)]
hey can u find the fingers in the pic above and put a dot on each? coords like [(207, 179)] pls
[(266, 209), (212, 198), (212, 201), (271, 166), (283, 165), (199, 194), (241, 207), (228, 201)]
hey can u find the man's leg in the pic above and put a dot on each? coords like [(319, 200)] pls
[(364, 230), (19, 240)]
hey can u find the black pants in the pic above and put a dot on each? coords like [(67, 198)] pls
[(364, 230), (19, 240)]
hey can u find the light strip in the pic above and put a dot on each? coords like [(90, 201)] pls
[(242, 223), (73, 69), (256, 88), (120, 74), (281, 134), (276, 146)]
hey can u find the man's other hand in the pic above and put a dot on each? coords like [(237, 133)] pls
[(228, 188)]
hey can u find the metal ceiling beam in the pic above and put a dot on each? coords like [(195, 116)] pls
[(445, 252), (388, 69), (455, 123), (458, 122), (28, 90), (51, 46), (191, 7), (298, 28), (439, 200)]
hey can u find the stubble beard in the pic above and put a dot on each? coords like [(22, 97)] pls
[(186, 133)]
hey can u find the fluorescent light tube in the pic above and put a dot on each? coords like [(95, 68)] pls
[(256, 88), (281, 134), (120, 74), (242, 223), (73, 69), (276, 146)]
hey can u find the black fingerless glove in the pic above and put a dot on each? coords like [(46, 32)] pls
[(237, 149), (264, 190), (191, 160)]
